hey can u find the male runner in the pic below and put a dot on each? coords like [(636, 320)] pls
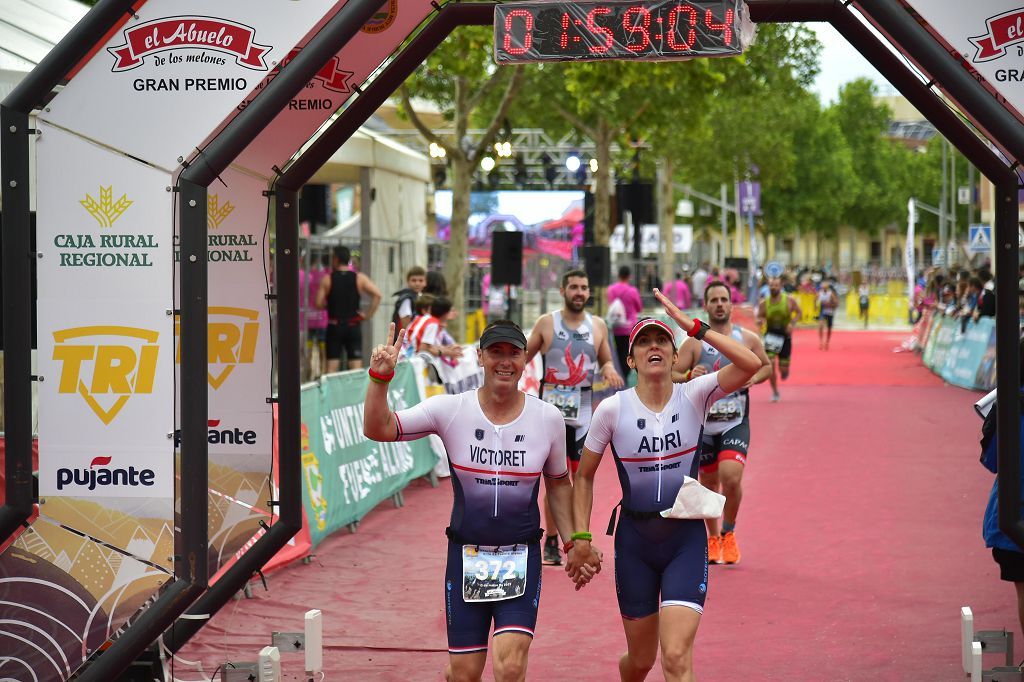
[(661, 570), (827, 304), (572, 344), (777, 314), (727, 429), (499, 442)]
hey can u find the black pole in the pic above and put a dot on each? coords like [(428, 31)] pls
[(16, 233), (289, 521), (1008, 382)]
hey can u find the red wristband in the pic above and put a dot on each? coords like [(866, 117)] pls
[(381, 378), (695, 329), (567, 546)]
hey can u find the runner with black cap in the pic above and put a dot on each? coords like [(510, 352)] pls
[(654, 430), (500, 442)]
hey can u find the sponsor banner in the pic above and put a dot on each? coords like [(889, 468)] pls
[(345, 475), (101, 472), (103, 223), (333, 84), (988, 35), (962, 356), (107, 380), (180, 67), (63, 596)]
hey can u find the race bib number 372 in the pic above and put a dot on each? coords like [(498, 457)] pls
[(493, 573)]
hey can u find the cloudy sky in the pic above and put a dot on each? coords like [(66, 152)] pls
[(841, 63)]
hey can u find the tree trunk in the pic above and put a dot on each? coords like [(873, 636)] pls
[(455, 265), (666, 220)]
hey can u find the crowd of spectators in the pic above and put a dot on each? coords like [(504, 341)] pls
[(957, 292)]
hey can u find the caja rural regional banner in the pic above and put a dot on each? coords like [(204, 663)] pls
[(106, 395), (344, 474)]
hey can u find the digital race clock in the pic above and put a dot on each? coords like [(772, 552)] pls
[(581, 31)]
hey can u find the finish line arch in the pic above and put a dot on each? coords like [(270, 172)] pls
[(250, 137)]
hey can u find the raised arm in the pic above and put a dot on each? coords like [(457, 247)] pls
[(369, 289), (378, 420), (744, 362), (541, 331)]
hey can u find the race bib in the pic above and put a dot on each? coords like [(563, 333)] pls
[(726, 409), (773, 342), (493, 573), (565, 398)]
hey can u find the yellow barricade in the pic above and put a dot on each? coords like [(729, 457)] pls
[(476, 321), (808, 303), (885, 309)]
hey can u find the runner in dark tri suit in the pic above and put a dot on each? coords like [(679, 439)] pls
[(727, 430), (573, 344), (654, 431), (500, 442)]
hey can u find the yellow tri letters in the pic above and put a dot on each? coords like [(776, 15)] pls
[(230, 341), (120, 370)]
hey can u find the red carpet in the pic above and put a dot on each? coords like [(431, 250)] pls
[(860, 533)]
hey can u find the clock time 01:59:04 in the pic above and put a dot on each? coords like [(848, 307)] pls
[(579, 31)]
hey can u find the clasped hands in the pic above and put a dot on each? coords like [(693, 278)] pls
[(583, 563)]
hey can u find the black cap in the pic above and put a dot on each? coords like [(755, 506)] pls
[(503, 333)]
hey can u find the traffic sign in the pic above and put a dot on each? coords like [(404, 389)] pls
[(773, 268), (979, 237)]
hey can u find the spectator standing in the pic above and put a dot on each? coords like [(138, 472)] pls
[(405, 299), (632, 305), (1005, 552), (340, 295), (678, 292)]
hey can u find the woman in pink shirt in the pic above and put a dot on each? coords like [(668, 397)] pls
[(630, 297)]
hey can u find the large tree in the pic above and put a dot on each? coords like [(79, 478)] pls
[(460, 78)]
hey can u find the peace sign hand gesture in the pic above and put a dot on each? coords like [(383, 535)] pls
[(385, 356), (681, 318)]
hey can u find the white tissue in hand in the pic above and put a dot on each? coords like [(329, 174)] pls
[(694, 501)]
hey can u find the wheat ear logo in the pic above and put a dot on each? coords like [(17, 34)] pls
[(231, 336), (119, 370), (106, 211), (215, 213)]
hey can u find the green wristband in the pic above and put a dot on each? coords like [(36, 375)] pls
[(582, 536)]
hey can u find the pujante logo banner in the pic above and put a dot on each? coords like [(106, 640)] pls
[(197, 32), (106, 365), (1004, 30)]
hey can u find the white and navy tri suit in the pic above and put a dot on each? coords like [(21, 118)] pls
[(496, 472), (727, 429), (658, 561), (569, 364)]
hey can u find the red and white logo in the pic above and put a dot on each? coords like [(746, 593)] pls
[(330, 74), (1003, 30), (175, 33)]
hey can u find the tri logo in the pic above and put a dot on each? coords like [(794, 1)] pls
[(232, 334), (106, 211), (106, 365)]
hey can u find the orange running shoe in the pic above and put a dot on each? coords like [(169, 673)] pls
[(714, 549), (730, 550)]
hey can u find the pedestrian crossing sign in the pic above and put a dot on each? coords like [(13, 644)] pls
[(979, 238)]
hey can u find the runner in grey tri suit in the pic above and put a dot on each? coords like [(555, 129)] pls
[(727, 430), (573, 345)]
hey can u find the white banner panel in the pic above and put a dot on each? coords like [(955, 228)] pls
[(333, 84), (107, 385), (239, 353), (989, 34), (171, 75), (104, 472), (104, 225)]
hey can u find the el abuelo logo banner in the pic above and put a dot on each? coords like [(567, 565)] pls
[(205, 33), (1003, 31)]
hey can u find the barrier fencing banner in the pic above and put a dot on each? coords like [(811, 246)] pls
[(962, 356), (345, 474)]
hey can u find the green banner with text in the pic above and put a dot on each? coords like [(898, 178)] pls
[(345, 474)]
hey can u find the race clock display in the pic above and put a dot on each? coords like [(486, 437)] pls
[(586, 31)]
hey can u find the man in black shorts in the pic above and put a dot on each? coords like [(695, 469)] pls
[(340, 295)]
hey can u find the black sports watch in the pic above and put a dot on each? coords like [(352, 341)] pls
[(700, 328)]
